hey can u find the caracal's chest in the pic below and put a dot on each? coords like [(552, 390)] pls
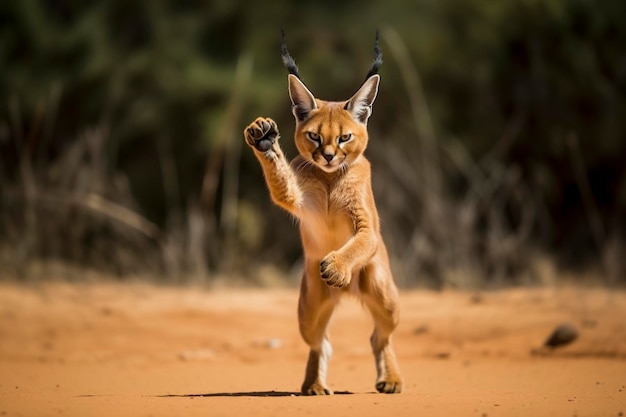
[(324, 222)]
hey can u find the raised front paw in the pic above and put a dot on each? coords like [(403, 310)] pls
[(333, 272), (261, 134)]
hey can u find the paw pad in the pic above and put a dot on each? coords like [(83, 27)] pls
[(261, 134)]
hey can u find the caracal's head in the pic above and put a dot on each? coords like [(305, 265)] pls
[(331, 134)]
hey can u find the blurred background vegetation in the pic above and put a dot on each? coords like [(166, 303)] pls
[(497, 140)]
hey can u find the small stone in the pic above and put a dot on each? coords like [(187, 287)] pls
[(564, 334), (274, 343), (421, 329), (442, 355), (477, 298)]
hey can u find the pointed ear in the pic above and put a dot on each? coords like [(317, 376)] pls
[(302, 101), (360, 105)]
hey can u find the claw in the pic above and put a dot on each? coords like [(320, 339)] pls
[(388, 387), (317, 391), (332, 275), (266, 126)]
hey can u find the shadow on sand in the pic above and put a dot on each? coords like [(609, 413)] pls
[(246, 394)]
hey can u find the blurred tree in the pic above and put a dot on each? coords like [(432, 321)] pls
[(140, 106)]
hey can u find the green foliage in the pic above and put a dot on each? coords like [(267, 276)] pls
[(147, 99)]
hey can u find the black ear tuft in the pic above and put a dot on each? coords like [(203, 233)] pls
[(288, 61), (378, 58)]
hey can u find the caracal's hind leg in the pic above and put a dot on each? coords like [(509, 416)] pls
[(315, 308), (380, 295)]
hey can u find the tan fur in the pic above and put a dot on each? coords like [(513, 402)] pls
[(339, 225)]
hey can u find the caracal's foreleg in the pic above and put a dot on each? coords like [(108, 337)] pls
[(262, 135)]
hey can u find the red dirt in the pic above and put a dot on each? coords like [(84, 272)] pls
[(140, 350)]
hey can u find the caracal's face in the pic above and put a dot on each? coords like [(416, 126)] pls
[(331, 135), (330, 138)]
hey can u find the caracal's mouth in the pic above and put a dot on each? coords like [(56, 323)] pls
[(332, 166), (328, 167)]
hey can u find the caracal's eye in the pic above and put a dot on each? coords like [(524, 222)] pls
[(314, 137), (346, 137)]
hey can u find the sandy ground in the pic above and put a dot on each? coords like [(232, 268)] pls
[(141, 350)]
